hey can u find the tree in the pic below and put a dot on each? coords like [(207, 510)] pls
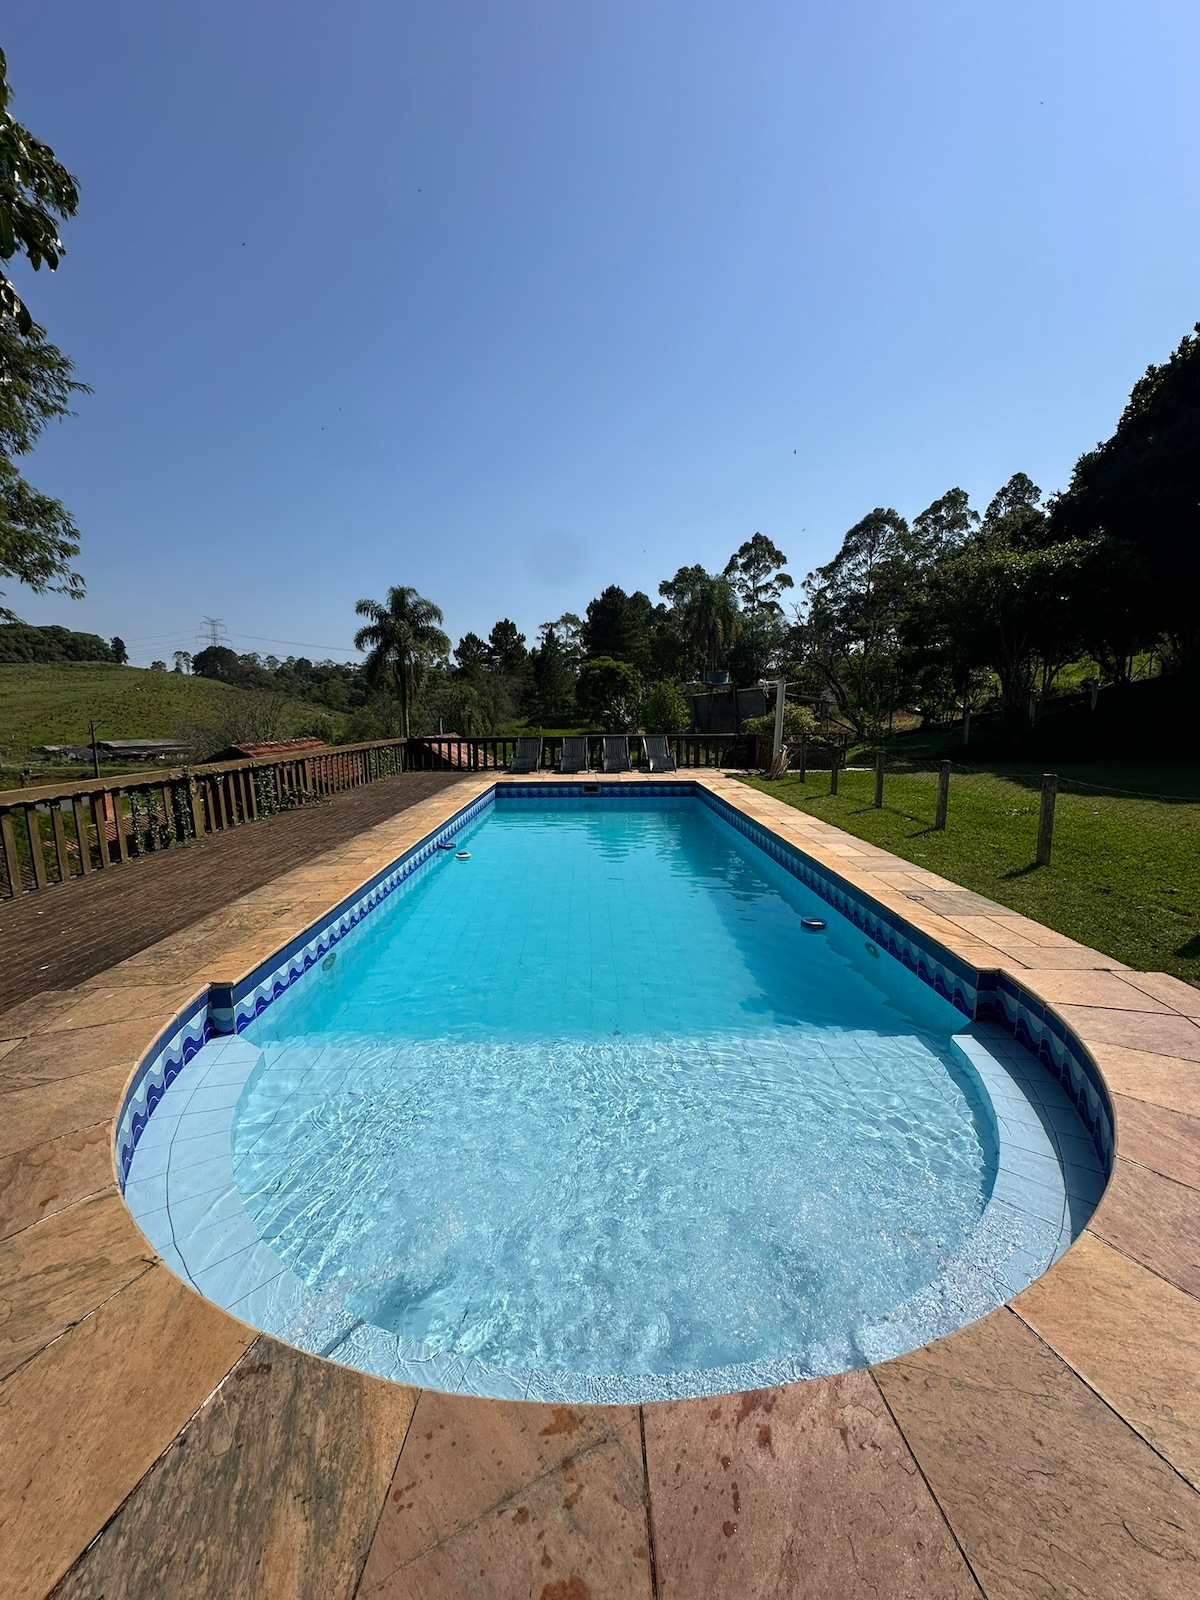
[(568, 630), (471, 654), (507, 647), (38, 537), (119, 653), (402, 639), (1006, 599), (35, 385), (856, 606), (706, 607), (1141, 488), (943, 526), (609, 691), (753, 570), (183, 661), (158, 666), (35, 190), (617, 625), (553, 679)]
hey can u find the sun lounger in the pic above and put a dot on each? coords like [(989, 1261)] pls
[(574, 756), (528, 757), (658, 753), (616, 753)]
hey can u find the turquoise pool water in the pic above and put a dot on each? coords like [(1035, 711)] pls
[(593, 1105)]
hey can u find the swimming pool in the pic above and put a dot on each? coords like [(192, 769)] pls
[(591, 1115)]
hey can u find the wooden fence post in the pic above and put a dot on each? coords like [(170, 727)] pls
[(943, 797), (879, 780), (1045, 836)]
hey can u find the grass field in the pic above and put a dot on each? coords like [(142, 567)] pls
[(54, 704), (1125, 872)]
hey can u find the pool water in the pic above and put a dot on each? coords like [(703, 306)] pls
[(592, 1104)]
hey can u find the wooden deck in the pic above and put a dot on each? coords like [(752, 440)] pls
[(64, 935)]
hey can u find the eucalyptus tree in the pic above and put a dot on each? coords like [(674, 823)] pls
[(755, 571), (403, 640)]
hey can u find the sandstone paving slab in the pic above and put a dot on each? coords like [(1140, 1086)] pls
[(120, 1003), (1048, 1491), (273, 1489), (1134, 1338), (1160, 1080), (494, 1498), (37, 1182), (60, 1269), (47, 1057), (1180, 996), (494, 1449), (1064, 957), (88, 1417), (32, 1013), (1108, 990), (1168, 1035), (798, 1493), (34, 1116), (1153, 1219), (1165, 1141)]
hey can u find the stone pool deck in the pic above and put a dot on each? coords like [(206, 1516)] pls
[(153, 1446)]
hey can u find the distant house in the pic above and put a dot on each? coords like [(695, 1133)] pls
[(116, 750), (140, 749)]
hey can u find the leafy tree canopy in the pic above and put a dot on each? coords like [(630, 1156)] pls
[(1142, 487), (38, 537), (609, 692), (36, 193), (754, 571)]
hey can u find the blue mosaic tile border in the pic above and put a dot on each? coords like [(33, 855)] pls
[(590, 789), (1046, 1036), (982, 995), (161, 1065), (234, 1008)]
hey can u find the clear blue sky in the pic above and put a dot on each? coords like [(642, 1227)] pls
[(513, 300)]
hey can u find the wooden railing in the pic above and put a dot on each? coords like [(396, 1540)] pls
[(439, 752), (53, 833)]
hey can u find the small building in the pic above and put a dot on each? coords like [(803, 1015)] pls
[(140, 749), (270, 750)]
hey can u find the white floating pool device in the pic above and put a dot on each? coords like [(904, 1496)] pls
[(462, 855)]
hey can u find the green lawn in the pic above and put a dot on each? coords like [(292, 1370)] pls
[(1125, 872)]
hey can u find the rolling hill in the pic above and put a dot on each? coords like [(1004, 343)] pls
[(54, 704)]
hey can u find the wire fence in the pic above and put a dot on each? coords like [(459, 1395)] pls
[(1045, 790)]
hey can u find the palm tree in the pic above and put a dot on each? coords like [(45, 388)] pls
[(707, 610), (401, 639)]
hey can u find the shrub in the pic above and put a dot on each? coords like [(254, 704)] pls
[(798, 723), (666, 710)]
